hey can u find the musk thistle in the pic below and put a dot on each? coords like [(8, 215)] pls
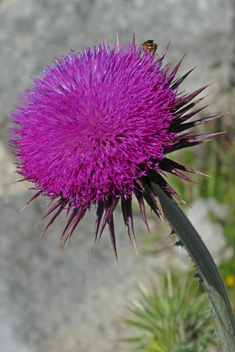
[(97, 128)]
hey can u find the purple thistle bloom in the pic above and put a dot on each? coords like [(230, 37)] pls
[(97, 127)]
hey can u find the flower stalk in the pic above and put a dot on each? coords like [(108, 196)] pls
[(206, 268)]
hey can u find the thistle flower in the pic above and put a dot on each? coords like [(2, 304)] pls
[(97, 127)]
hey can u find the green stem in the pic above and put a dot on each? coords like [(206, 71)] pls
[(206, 267)]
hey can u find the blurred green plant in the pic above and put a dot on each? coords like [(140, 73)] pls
[(175, 318)]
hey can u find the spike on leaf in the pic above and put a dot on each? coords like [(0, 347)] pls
[(179, 244)]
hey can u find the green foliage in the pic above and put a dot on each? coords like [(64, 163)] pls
[(175, 318)]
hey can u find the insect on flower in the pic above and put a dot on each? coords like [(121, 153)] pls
[(97, 129), (150, 46)]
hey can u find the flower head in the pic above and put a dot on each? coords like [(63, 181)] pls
[(97, 127)]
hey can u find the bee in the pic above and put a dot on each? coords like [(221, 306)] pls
[(150, 46)]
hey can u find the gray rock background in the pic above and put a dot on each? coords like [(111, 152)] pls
[(70, 302), (63, 302)]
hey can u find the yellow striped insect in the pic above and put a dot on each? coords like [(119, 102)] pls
[(150, 46)]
